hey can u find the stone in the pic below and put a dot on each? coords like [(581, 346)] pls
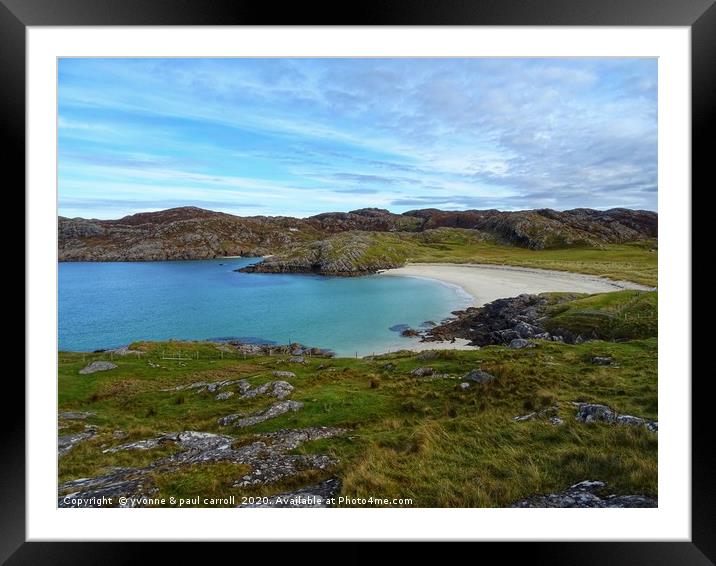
[(524, 330), (519, 343), (464, 386), (268, 457), (592, 412), (410, 332), (479, 376), (583, 494), (543, 336), (422, 372), (275, 410), (278, 389), (297, 360), (224, 395), (283, 374), (98, 365), (602, 360), (67, 442)]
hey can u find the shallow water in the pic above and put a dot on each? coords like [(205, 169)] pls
[(105, 305)]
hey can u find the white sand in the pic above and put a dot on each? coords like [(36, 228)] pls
[(485, 283)]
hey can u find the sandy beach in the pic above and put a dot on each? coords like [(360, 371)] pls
[(485, 283)]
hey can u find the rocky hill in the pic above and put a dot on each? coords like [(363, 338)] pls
[(334, 242)]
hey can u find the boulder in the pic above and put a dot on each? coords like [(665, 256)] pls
[(422, 372), (283, 374), (479, 376), (410, 332), (98, 365), (602, 360), (592, 412), (524, 330), (297, 360), (224, 395), (519, 343), (464, 386), (583, 494)]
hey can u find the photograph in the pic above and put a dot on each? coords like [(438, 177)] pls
[(357, 282)]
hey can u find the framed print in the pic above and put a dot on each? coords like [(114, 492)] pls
[(424, 275)]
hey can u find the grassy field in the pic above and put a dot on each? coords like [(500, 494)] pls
[(419, 438)]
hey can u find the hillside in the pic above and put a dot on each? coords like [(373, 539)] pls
[(491, 427), (318, 243)]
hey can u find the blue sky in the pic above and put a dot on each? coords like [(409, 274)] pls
[(302, 136)]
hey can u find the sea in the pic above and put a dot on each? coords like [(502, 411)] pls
[(112, 304)]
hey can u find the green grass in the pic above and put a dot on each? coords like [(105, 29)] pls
[(419, 438), (611, 316)]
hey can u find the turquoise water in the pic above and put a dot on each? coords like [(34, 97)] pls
[(105, 305)]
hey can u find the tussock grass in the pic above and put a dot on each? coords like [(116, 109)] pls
[(422, 438)]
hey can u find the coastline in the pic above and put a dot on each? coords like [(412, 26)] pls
[(486, 282)]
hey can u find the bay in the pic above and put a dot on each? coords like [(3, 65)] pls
[(106, 305)]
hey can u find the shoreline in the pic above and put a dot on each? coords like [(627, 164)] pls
[(485, 283)]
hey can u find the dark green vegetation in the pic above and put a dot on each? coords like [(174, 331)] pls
[(420, 438)]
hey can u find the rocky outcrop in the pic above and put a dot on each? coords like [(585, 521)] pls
[(239, 420), (195, 233), (478, 376), (345, 254), (584, 494), (267, 456), (98, 365), (546, 228), (498, 322), (593, 412), (67, 442)]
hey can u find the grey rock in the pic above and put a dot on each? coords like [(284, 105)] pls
[(297, 360), (519, 343), (524, 330), (267, 456), (275, 410), (582, 495), (543, 336), (464, 386), (422, 372), (67, 442), (479, 376), (98, 365), (556, 421), (283, 374), (224, 395), (602, 360), (278, 389), (591, 412)]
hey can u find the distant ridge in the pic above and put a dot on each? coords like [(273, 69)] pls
[(196, 233)]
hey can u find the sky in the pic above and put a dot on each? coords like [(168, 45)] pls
[(298, 137)]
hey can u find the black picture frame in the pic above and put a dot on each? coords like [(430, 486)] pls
[(17, 15)]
